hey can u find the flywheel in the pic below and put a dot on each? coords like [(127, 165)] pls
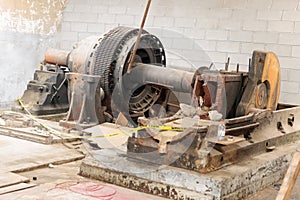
[(108, 56)]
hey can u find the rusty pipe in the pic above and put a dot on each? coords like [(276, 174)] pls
[(57, 57), (176, 80)]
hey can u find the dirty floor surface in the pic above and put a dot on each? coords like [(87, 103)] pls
[(32, 171)]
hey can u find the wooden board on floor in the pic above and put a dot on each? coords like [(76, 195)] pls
[(34, 135), (14, 188), (21, 155), (8, 179), (290, 178)]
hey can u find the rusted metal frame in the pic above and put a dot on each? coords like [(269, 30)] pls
[(163, 140), (220, 155), (240, 128), (235, 153), (234, 126), (218, 82), (285, 105), (146, 148), (220, 95), (242, 119), (228, 154), (214, 76)]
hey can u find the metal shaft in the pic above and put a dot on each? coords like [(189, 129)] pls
[(56, 56), (176, 80)]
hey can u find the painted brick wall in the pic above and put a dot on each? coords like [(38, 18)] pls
[(200, 30), (27, 28)]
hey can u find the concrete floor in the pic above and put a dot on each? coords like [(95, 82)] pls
[(49, 180), (270, 192), (31, 160)]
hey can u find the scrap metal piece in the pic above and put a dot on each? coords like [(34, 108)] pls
[(165, 137), (206, 153), (47, 93), (200, 88), (263, 87), (82, 91), (227, 64), (224, 90)]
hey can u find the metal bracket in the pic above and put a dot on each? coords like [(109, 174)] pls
[(82, 92)]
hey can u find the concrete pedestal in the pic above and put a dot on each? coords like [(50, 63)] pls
[(232, 182)]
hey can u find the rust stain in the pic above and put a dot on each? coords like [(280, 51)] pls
[(271, 75)]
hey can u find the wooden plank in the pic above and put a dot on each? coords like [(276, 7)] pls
[(14, 188), (290, 178), (22, 155), (31, 134), (8, 178)]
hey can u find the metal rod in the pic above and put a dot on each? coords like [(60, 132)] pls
[(249, 66), (131, 60), (227, 64)]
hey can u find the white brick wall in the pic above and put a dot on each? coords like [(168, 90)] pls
[(269, 14), (280, 26), (265, 37), (241, 36), (216, 28)]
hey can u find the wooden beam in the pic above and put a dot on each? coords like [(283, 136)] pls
[(290, 178)]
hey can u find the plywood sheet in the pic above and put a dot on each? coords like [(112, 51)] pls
[(20, 155), (8, 179), (14, 188)]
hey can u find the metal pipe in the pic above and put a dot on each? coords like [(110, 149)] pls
[(176, 80), (131, 60), (227, 64), (57, 57)]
